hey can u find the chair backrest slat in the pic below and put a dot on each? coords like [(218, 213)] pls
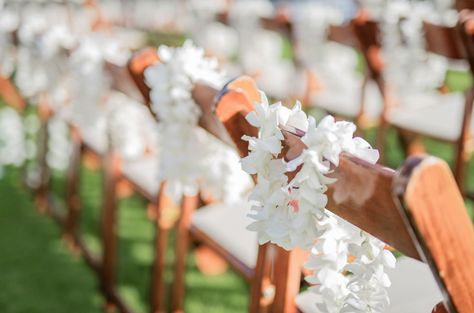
[(443, 40), (344, 35), (435, 211), (363, 196)]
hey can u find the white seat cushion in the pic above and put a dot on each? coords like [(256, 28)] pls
[(226, 225), (413, 290), (143, 172), (439, 116)]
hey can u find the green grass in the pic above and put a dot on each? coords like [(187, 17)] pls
[(37, 273), (227, 292)]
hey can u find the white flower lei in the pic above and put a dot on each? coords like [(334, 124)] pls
[(293, 214), (191, 160)]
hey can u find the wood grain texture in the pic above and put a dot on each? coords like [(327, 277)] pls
[(362, 195), (436, 210)]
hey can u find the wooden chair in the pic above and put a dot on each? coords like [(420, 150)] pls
[(361, 107), (417, 210), (184, 226), (207, 225), (449, 118)]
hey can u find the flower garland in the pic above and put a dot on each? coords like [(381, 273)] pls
[(191, 160), (293, 214)]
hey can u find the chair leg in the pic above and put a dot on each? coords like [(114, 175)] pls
[(287, 280), (161, 239), (44, 172), (72, 191), (188, 206), (462, 159), (111, 168), (259, 279)]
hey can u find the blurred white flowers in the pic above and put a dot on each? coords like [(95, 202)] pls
[(12, 139), (191, 159), (133, 131), (293, 214)]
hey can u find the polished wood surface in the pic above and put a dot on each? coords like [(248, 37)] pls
[(435, 210)]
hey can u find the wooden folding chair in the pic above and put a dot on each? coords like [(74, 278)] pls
[(208, 121), (239, 94), (208, 225), (449, 119), (417, 210), (356, 109)]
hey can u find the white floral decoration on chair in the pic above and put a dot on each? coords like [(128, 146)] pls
[(191, 160), (293, 214)]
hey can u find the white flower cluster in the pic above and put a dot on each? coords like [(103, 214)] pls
[(131, 127), (191, 160), (9, 22), (293, 214), (89, 81), (12, 139)]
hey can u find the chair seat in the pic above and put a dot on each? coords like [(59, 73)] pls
[(143, 173), (438, 116), (413, 290), (226, 225), (345, 99)]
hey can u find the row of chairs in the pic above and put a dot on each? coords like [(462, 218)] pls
[(445, 116), (394, 208)]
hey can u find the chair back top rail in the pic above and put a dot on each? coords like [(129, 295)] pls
[(343, 34), (444, 40)]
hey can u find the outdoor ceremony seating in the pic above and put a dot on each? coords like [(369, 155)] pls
[(93, 77)]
